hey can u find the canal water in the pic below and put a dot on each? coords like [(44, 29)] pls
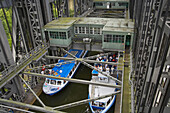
[(72, 92)]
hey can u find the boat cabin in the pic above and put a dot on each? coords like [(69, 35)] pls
[(102, 103), (102, 78), (54, 81)]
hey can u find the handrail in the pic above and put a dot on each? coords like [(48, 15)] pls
[(121, 100), (131, 83), (13, 67)]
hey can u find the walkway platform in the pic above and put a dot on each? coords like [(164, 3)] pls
[(34, 55)]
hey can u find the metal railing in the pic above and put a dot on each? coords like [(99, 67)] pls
[(25, 58), (131, 83)]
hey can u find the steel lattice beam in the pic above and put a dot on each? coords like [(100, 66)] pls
[(83, 101), (92, 67), (32, 107), (73, 80)]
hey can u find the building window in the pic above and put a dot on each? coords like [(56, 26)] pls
[(100, 31), (62, 35), (114, 39), (87, 30), (98, 4), (121, 39), (95, 30), (69, 34), (76, 30), (53, 34), (83, 30), (108, 38), (80, 30), (117, 38), (91, 30), (57, 35), (105, 38)]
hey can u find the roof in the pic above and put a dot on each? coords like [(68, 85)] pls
[(93, 21), (61, 23), (108, 24), (110, 0), (119, 25)]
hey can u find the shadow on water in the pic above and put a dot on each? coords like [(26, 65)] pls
[(72, 92)]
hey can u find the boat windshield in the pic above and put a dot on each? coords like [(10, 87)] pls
[(58, 82), (53, 82), (99, 104)]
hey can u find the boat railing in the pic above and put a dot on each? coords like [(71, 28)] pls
[(72, 70)]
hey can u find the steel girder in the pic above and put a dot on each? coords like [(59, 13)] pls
[(34, 15), (6, 4), (59, 8), (80, 6), (5, 51), (147, 53), (144, 48)]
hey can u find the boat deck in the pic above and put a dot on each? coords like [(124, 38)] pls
[(97, 91), (64, 70)]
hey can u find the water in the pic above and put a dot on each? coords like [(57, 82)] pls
[(72, 92)]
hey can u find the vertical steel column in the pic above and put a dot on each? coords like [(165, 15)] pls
[(7, 23), (35, 19), (144, 49), (75, 12), (21, 29), (5, 51), (152, 28)]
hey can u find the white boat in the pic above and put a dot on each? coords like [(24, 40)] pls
[(67, 70), (101, 105)]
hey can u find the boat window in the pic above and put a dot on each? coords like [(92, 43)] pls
[(58, 82), (101, 104), (53, 82), (95, 103), (108, 102), (47, 81)]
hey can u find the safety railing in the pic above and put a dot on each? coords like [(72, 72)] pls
[(25, 58), (131, 83)]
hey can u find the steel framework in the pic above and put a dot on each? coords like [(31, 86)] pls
[(28, 49), (151, 55)]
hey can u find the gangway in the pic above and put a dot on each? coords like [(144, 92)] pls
[(14, 70)]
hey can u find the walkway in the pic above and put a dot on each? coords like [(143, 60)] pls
[(126, 87), (14, 70)]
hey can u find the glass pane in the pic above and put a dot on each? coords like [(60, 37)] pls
[(87, 30), (91, 30), (80, 30)]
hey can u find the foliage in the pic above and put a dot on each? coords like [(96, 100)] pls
[(71, 13), (8, 12)]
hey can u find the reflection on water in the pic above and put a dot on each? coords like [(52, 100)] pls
[(72, 92)]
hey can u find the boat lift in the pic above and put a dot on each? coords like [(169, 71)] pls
[(45, 108)]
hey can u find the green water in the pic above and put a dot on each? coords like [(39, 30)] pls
[(72, 92)]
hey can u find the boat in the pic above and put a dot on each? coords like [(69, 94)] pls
[(102, 105), (66, 70)]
